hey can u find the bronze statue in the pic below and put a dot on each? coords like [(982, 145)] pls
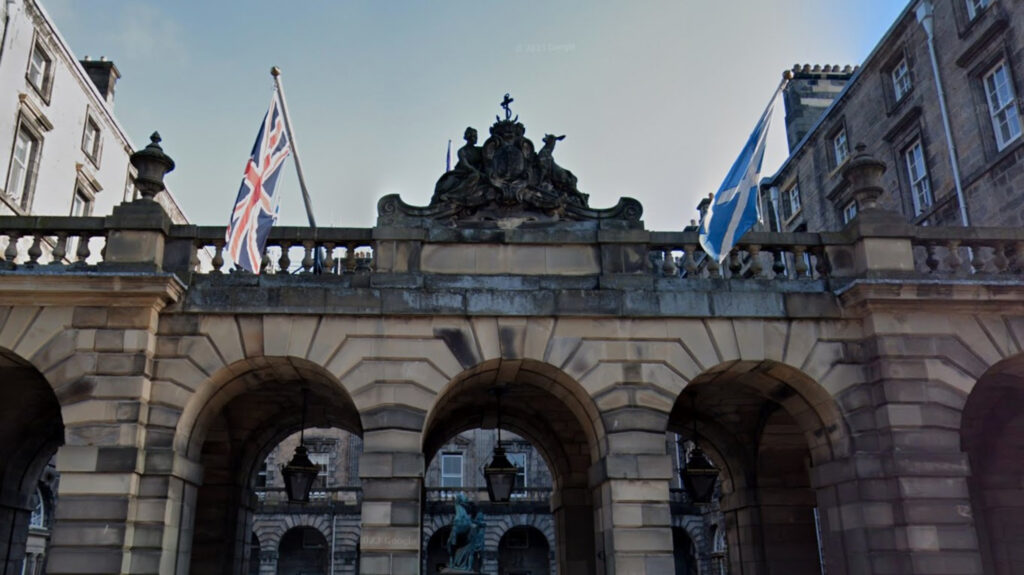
[(506, 183), (507, 174)]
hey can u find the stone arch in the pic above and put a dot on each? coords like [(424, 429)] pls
[(434, 551), (546, 407), (992, 437), (296, 556), (535, 558), (31, 431), (765, 424), (229, 425), (509, 521)]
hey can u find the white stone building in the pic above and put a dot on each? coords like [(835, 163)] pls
[(62, 151)]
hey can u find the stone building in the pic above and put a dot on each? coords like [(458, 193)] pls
[(967, 144), (859, 406), (66, 152)]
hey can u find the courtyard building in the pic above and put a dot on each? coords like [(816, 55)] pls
[(835, 397)]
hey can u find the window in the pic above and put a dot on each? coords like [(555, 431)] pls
[(917, 175), (849, 212), (91, 140), (451, 470), (38, 517), (519, 460), (840, 148), (976, 7), (790, 204), (21, 174), (322, 461), (901, 80), (1002, 104), (40, 70)]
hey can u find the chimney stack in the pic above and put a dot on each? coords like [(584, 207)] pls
[(104, 74)]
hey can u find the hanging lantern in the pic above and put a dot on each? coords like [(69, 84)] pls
[(699, 476), (300, 473), (500, 474)]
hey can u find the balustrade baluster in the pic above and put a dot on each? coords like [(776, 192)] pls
[(689, 262), (778, 262), (329, 257), (976, 261), (800, 262), (82, 251), (36, 249), (668, 268), (284, 262), (218, 257), (953, 261), (307, 258), (60, 249), (265, 260), (363, 264), (756, 269), (350, 257), (932, 261), (999, 258), (821, 261), (11, 253), (714, 268), (735, 265)]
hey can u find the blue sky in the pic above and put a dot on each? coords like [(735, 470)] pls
[(656, 98)]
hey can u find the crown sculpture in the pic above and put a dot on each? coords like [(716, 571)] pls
[(506, 183)]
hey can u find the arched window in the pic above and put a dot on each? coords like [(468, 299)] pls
[(38, 518)]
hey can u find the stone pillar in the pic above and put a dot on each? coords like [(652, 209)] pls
[(574, 517), (268, 562), (635, 519), (391, 471), (899, 504), (101, 524), (743, 532)]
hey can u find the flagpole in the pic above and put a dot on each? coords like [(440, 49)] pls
[(276, 73)]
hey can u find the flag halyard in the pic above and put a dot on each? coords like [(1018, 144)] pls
[(255, 208)]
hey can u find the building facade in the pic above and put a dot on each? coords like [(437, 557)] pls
[(965, 145), (63, 151)]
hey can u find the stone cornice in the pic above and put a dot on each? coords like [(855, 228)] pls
[(941, 295), (37, 287)]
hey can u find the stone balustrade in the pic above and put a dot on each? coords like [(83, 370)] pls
[(867, 248), (54, 241)]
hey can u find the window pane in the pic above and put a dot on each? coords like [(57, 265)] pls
[(20, 162), (37, 68), (840, 147), (1002, 105)]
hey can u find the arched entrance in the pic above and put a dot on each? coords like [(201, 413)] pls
[(303, 551), (765, 425), (992, 435), (31, 430), (231, 426), (523, 550), (543, 405), (437, 552), (684, 553)]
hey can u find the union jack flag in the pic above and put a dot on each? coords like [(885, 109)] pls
[(254, 211)]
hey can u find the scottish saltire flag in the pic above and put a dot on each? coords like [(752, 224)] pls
[(255, 208), (733, 210), (448, 158)]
